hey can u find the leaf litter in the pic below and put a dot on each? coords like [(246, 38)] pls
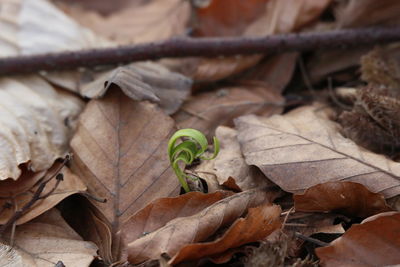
[(288, 175)]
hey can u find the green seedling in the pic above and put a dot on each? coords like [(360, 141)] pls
[(192, 146)]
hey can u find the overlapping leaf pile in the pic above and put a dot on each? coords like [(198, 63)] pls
[(285, 178)]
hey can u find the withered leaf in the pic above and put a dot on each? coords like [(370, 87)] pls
[(348, 198), (47, 240), (230, 164), (304, 148), (208, 110), (258, 224), (37, 122), (186, 230), (375, 242), (143, 81), (15, 194), (120, 152)]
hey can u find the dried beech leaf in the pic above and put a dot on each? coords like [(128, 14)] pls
[(230, 164), (143, 81), (47, 240), (138, 21), (120, 152), (186, 230), (206, 111), (375, 242), (18, 193), (280, 16), (36, 124), (304, 148), (258, 224), (161, 211), (348, 198)]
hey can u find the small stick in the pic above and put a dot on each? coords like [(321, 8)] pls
[(311, 240), (201, 47)]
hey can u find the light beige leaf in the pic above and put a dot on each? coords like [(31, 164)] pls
[(36, 124), (18, 193), (47, 240), (230, 163), (120, 151), (138, 21), (304, 148), (185, 230), (143, 81)]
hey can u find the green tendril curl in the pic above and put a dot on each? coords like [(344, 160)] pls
[(192, 147)]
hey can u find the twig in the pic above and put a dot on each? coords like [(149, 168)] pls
[(205, 47), (311, 240)]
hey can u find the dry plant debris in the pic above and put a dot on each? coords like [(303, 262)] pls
[(299, 164)]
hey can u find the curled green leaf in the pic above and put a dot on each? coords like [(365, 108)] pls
[(192, 147)]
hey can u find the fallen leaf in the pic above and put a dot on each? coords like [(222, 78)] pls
[(138, 21), (15, 194), (37, 123), (372, 243), (348, 198), (120, 150), (142, 81), (206, 111), (304, 147), (230, 164), (158, 213), (280, 16), (258, 224), (47, 240), (186, 230)]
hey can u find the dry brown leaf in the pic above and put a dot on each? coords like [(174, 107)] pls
[(186, 230), (45, 241), (36, 121), (375, 242), (143, 21), (143, 81), (348, 198), (280, 16), (15, 194), (120, 152), (230, 164), (304, 148), (208, 110), (258, 224)]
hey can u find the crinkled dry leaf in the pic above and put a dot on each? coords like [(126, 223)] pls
[(230, 164), (138, 21), (143, 81), (374, 242), (348, 198), (280, 16), (47, 240), (258, 224), (36, 124), (161, 211), (304, 148), (186, 230), (120, 152), (206, 111), (15, 194)]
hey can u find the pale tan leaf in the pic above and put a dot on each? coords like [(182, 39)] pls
[(143, 21), (120, 150), (143, 81), (304, 148), (257, 225), (36, 121), (185, 230), (206, 111), (18, 193), (230, 163), (49, 239)]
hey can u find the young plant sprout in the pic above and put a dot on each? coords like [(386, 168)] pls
[(192, 147)]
